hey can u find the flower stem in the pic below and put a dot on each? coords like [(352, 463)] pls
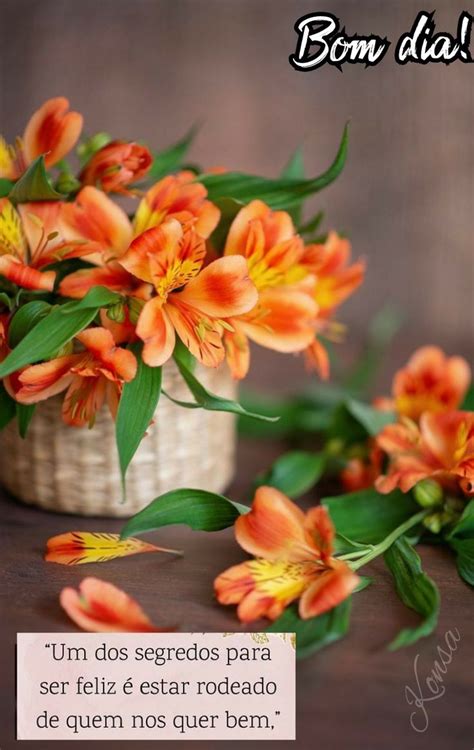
[(390, 539)]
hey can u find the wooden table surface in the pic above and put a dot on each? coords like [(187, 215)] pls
[(351, 696)]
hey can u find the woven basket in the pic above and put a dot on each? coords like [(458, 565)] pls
[(72, 470)]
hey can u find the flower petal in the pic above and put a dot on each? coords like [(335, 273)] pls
[(112, 276), (154, 328), (321, 530), (80, 547), (84, 398), (52, 131), (39, 382), (222, 289), (25, 276), (100, 607), (156, 256), (120, 362), (96, 218), (200, 334), (12, 237), (282, 321), (277, 226), (328, 590), (237, 352), (274, 528)]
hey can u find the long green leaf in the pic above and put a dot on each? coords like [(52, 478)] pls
[(24, 415), (7, 408), (26, 318), (461, 540), (56, 330), (137, 406), (367, 516), (34, 185), (415, 589), (201, 510), (317, 632), (5, 187), (171, 159), (209, 401), (282, 193), (295, 472)]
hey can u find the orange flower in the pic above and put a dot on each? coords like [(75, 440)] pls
[(284, 318), (170, 258), (91, 377), (179, 197), (441, 447), (52, 131), (336, 278), (100, 607), (358, 474), (116, 166), (293, 560), (430, 381)]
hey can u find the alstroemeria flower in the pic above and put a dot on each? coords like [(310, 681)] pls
[(430, 381), (336, 278), (91, 377), (116, 166), (284, 318), (52, 131), (293, 560), (178, 197), (101, 607), (360, 473), (441, 447), (189, 300)]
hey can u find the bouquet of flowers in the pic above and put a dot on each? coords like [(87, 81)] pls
[(111, 269)]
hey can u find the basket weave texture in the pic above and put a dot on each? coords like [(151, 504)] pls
[(74, 470)]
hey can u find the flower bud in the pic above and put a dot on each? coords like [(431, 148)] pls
[(117, 312), (87, 148), (67, 183), (334, 447), (428, 493), (433, 522), (116, 166), (135, 306)]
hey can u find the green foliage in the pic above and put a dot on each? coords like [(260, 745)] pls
[(171, 159), (34, 185), (7, 408), (316, 632), (55, 330), (24, 415), (294, 473), (206, 400), (137, 406), (461, 541), (366, 516), (201, 510), (25, 319), (282, 193), (415, 589)]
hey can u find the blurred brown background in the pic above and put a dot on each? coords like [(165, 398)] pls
[(147, 69)]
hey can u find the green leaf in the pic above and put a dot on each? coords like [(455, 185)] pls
[(229, 209), (24, 414), (137, 406), (315, 633), (34, 185), (201, 510), (207, 400), (282, 193), (57, 329), (171, 159), (468, 403), (311, 226), (461, 540), (294, 170), (294, 473), (6, 300), (415, 589), (25, 319), (367, 516), (5, 187), (7, 408), (372, 420)]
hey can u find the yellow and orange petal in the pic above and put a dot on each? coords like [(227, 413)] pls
[(430, 381), (257, 229), (25, 276), (274, 528), (110, 360), (101, 607), (329, 589), (156, 330), (52, 130), (237, 351), (284, 320), (81, 547), (112, 276), (178, 197)]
